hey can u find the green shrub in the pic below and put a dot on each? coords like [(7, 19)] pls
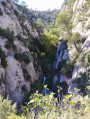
[(24, 88), (26, 75), (64, 86), (1, 12), (16, 13), (75, 38), (68, 68), (61, 64), (14, 116), (25, 58), (25, 98), (42, 54), (7, 34), (2, 80), (34, 25), (86, 60), (22, 17), (6, 108), (36, 85), (48, 107), (49, 81), (10, 36), (22, 57), (82, 82), (17, 56), (19, 37), (3, 58), (32, 47), (10, 45), (3, 3)]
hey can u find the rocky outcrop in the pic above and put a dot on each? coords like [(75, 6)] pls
[(16, 78), (78, 69), (81, 19), (62, 54), (81, 23)]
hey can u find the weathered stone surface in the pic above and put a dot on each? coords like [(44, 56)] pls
[(14, 80), (15, 83), (81, 19), (62, 54)]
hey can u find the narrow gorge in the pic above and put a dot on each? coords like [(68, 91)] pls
[(44, 48)]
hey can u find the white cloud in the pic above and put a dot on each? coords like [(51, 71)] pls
[(44, 4)]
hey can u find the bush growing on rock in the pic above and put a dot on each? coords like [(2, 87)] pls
[(16, 13), (86, 60), (25, 58), (10, 45), (24, 88), (3, 58), (22, 57), (68, 68), (10, 36), (75, 38), (3, 3), (7, 34), (32, 47), (1, 12), (61, 64), (26, 75)]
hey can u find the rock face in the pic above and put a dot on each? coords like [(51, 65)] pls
[(62, 56), (78, 68), (17, 77), (81, 19), (81, 22)]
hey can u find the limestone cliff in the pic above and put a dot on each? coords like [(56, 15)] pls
[(16, 78), (73, 67)]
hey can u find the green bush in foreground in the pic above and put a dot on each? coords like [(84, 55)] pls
[(48, 107), (72, 106), (6, 108)]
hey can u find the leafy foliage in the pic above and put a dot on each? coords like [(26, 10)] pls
[(6, 108), (49, 42), (68, 68), (3, 58), (47, 106), (1, 12), (26, 74), (22, 57), (86, 60), (64, 20), (13, 116), (10, 36), (75, 38), (3, 3)]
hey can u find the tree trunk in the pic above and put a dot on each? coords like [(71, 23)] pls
[(76, 47)]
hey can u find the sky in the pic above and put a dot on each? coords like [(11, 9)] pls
[(44, 5)]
